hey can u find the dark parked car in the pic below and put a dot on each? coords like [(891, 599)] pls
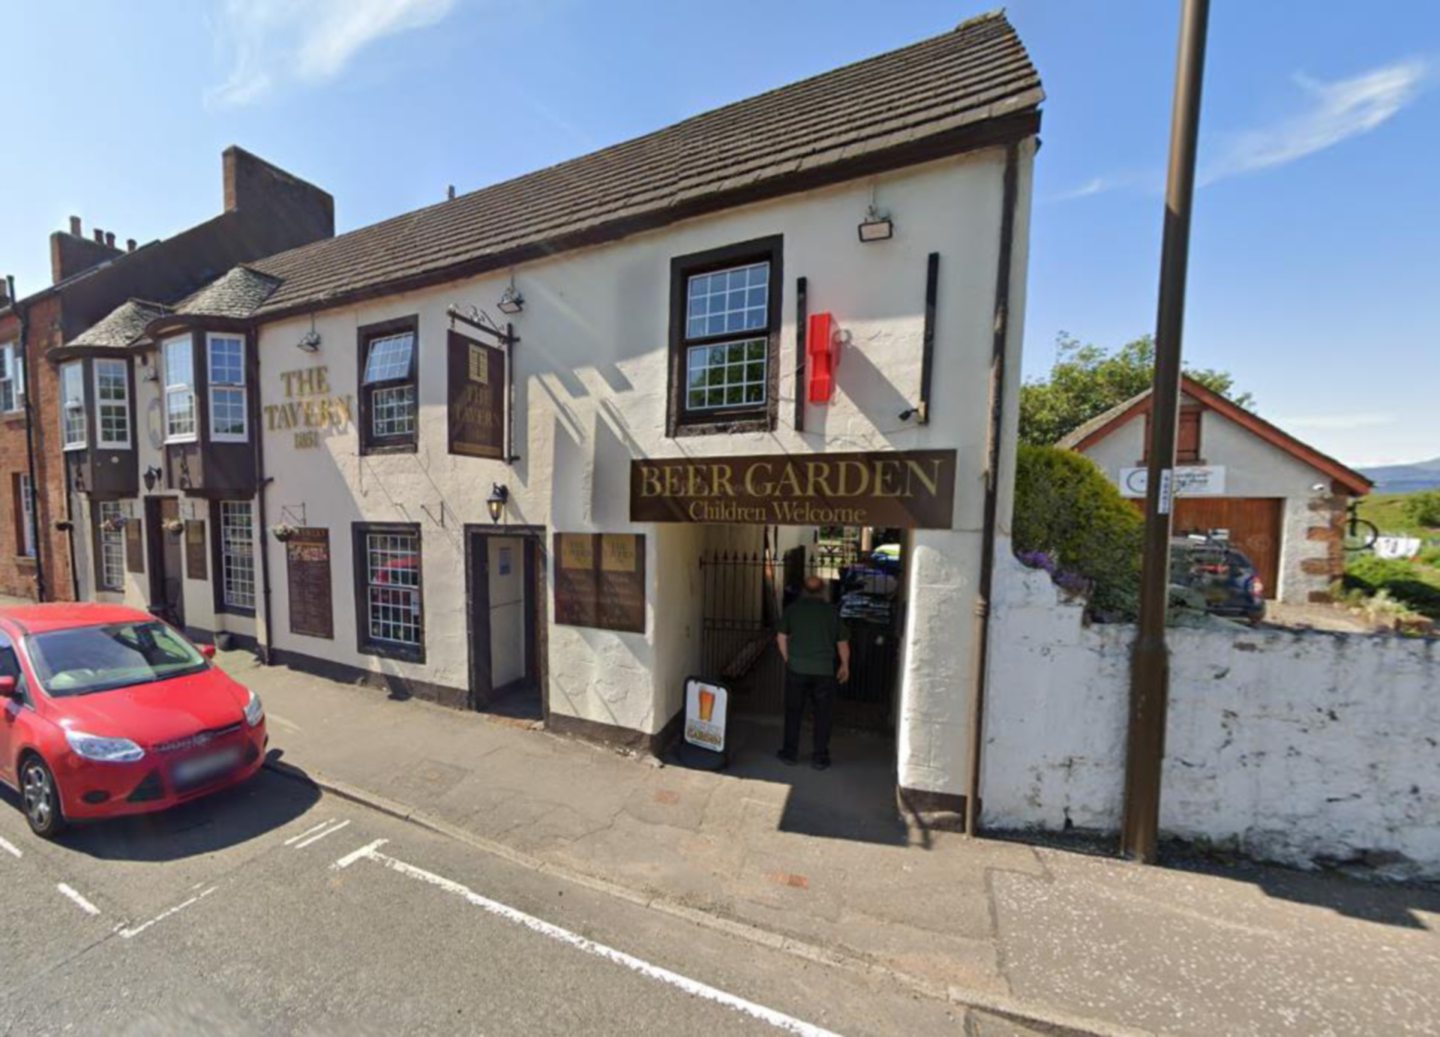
[(1221, 574)]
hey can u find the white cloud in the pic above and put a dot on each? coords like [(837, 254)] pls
[(310, 41), (1338, 421), (1336, 112), (1093, 186)]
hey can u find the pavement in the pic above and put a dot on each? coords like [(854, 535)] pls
[(819, 867)]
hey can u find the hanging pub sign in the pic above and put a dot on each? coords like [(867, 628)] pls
[(475, 396), (600, 581), (908, 489), (307, 570)]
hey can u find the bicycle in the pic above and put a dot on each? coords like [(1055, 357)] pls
[(1360, 534)]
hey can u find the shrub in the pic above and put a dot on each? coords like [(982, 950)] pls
[(1402, 581), (1423, 508), (1065, 508)]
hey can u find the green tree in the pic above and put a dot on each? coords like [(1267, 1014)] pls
[(1087, 380), (1423, 508)]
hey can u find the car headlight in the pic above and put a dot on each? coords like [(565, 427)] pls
[(104, 750), (254, 711)]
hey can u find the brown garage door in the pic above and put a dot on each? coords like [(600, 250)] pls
[(1253, 522)]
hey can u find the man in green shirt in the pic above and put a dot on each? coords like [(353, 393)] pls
[(810, 637)]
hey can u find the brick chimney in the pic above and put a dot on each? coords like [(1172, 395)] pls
[(72, 253), (254, 186)]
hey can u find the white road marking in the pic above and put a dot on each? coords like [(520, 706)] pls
[(365, 851), (321, 835), (10, 848), (80, 902), (128, 932), (308, 831), (694, 987)]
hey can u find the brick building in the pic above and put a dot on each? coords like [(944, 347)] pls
[(266, 210)]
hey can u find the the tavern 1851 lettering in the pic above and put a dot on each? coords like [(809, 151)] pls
[(913, 489), (309, 407)]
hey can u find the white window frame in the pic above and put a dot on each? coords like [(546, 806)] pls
[(237, 553), (226, 387), (101, 443), (83, 442), (12, 378), (111, 548), (27, 516), (179, 388)]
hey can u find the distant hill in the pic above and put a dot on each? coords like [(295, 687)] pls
[(1405, 478)]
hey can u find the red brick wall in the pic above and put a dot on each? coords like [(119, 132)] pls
[(17, 574)]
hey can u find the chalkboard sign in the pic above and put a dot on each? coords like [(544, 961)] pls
[(134, 547), (600, 580), (195, 565), (475, 395), (307, 567)]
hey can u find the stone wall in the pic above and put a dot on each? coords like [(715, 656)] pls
[(1297, 747)]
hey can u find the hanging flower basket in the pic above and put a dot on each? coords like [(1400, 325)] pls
[(174, 526), (283, 531), (115, 523)]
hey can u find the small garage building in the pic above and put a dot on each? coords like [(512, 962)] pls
[(1280, 500)]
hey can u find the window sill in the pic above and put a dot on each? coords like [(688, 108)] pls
[(725, 426), (396, 652), (182, 442), (25, 561), (366, 450), (235, 610), (75, 448)]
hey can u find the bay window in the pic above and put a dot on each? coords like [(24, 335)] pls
[(72, 406), (226, 356), (178, 362), (112, 404)]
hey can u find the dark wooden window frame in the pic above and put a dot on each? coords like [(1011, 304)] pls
[(217, 559), (364, 644), (680, 420), (369, 442), (1188, 412)]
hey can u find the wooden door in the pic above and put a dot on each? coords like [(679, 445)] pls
[(167, 592), (1253, 522)]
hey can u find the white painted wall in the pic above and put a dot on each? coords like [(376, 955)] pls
[(1253, 468), (1293, 746), (590, 394)]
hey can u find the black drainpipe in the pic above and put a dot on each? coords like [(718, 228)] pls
[(262, 483), (21, 351), (992, 490)]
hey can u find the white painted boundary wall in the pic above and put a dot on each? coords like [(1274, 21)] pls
[(1292, 746)]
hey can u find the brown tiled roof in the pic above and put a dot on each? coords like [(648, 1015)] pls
[(236, 294), (968, 87), (123, 326)]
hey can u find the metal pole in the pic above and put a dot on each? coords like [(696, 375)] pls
[(1150, 664)]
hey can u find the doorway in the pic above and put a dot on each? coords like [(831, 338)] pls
[(167, 589), (505, 619)]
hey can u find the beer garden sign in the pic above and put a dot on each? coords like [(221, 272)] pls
[(912, 489)]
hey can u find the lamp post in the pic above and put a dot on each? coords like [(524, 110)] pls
[(1150, 663)]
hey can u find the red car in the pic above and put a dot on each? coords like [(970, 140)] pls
[(106, 710)]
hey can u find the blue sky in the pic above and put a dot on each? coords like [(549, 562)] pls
[(1314, 269)]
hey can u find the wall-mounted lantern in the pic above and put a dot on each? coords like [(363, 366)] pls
[(495, 503), (152, 476), (877, 226), (511, 301)]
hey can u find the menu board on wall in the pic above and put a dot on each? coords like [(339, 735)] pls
[(600, 580), (475, 395), (134, 547), (307, 569), (195, 567)]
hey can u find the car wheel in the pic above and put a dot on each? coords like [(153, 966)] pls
[(40, 798)]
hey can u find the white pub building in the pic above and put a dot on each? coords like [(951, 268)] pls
[(573, 438)]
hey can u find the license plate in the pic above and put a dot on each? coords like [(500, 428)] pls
[(199, 769)]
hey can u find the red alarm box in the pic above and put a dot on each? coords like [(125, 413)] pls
[(822, 358)]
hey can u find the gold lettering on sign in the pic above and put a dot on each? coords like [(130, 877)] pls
[(479, 365), (309, 408)]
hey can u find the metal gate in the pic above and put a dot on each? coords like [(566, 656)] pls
[(743, 596)]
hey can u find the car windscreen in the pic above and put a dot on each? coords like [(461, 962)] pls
[(82, 660)]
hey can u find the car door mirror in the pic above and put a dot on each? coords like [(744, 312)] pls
[(8, 688), (208, 651)]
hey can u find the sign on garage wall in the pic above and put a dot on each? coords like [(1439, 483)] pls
[(1190, 481)]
